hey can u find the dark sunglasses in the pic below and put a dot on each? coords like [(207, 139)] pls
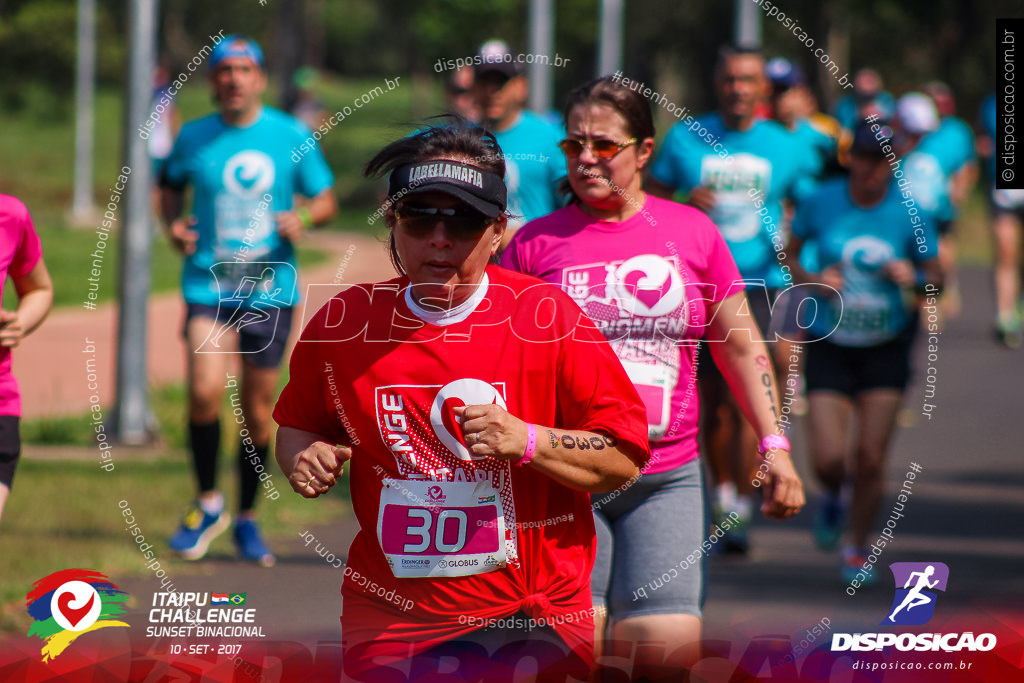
[(460, 222), (602, 149)]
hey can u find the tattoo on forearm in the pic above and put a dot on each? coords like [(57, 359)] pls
[(766, 380), (583, 443)]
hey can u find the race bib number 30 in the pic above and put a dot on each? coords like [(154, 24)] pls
[(429, 528)]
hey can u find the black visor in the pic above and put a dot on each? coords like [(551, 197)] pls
[(482, 190)]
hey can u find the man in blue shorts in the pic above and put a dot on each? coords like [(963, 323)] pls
[(879, 253), (737, 169), (239, 277)]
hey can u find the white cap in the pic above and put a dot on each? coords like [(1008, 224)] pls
[(917, 114)]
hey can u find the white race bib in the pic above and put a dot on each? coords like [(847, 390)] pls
[(438, 528)]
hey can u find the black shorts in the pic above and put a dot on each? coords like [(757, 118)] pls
[(849, 370), (10, 448), (262, 333), (776, 315), (945, 227)]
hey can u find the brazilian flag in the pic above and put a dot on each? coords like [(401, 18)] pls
[(237, 599)]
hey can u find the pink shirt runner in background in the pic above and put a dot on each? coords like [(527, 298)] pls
[(646, 282), (20, 251)]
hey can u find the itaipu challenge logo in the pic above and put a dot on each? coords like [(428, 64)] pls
[(70, 603)]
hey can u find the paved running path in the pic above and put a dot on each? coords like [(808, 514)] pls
[(51, 364)]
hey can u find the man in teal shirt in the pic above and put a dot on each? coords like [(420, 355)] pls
[(239, 277), (534, 164), (737, 169)]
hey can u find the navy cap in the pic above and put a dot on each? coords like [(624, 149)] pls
[(867, 141)]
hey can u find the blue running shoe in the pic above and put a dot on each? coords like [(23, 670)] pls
[(828, 523), (250, 543), (852, 567), (197, 531)]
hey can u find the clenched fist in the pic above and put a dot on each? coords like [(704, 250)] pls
[(317, 468), (489, 430)]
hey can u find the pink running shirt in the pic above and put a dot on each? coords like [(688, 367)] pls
[(646, 283), (20, 251)]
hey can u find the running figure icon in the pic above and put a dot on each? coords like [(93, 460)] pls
[(244, 292), (914, 598)]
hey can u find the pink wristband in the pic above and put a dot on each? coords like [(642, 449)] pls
[(771, 442), (531, 445)]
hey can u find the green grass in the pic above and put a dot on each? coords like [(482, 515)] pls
[(85, 529), (65, 514), (973, 232), (166, 403)]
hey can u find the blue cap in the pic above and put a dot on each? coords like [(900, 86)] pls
[(783, 73), (235, 45)]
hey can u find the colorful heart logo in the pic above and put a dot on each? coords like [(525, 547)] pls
[(75, 605), (72, 614)]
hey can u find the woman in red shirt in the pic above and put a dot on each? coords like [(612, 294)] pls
[(478, 407)]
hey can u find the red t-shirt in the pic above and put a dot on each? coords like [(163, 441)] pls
[(20, 251), (368, 373)]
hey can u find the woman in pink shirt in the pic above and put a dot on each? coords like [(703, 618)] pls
[(21, 258), (656, 277)]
